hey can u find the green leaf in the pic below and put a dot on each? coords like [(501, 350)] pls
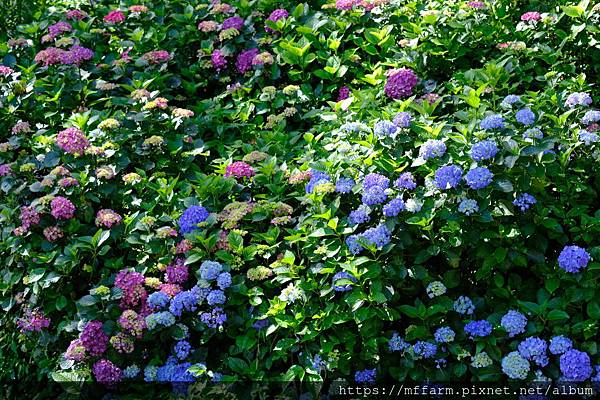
[(557, 315)]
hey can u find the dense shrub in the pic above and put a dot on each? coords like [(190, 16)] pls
[(355, 191)]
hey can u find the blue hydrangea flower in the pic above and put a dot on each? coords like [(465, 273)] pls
[(316, 178), (191, 217), (515, 366), (182, 349), (397, 343), (525, 116), (186, 300), (164, 318), (131, 371), (344, 185), (360, 215), (468, 206), (484, 150), (534, 349), (524, 201), (513, 322), (384, 128), (406, 181), (578, 99), (365, 376), (573, 259), (448, 177), (560, 344), (432, 148), (591, 116), (479, 177), (463, 305), (435, 289), (480, 328), (374, 179), (510, 100), (374, 195), (216, 297), (575, 366), (533, 133), (402, 120), (317, 363), (353, 127), (378, 237), (210, 270), (150, 373), (588, 137), (342, 287), (490, 122), (394, 207), (444, 334), (158, 300), (423, 349), (224, 280)]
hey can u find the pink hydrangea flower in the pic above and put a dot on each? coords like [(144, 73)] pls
[(76, 14), (114, 17), (531, 16), (5, 170), (157, 57), (239, 169), (107, 218), (476, 4), (6, 71), (53, 233), (72, 141), (208, 26), (62, 208), (138, 9)]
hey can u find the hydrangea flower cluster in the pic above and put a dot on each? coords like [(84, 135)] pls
[(342, 287), (190, 219), (432, 149), (239, 169), (479, 177), (480, 328), (72, 140), (514, 323), (448, 177), (573, 259), (401, 83), (534, 349), (524, 201)]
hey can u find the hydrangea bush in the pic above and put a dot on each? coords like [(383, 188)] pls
[(199, 193)]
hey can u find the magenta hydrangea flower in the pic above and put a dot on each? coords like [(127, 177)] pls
[(33, 321), (236, 23), (401, 83), (59, 28), (476, 4), (107, 373), (157, 57), (531, 16), (218, 60), (93, 338), (132, 285), (275, 16), (76, 14), (239, 169), (29, 216), (114, 17), (5, 71), (62, 208), (72, 141), (243, 63), (107, 218), (177, 272), (345, 4)]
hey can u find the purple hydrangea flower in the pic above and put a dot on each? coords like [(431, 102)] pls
[(235, 22), (525, 116), (384, 128), (275, 16), (494, 121), (218, 60), (432, 149), (106, 372), (573, 259), (374, 195), (480, 328), (243, 63), (534, 349), (401, 83), (479, 177), (394, 207), (93, 338), (402, 120), (359, 216), (591, 116), (578, 99), (448, 177), (514, 323), (484, 150), (344, 185), (406, 181), (575, 366), (341, 287), (191, 217)]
